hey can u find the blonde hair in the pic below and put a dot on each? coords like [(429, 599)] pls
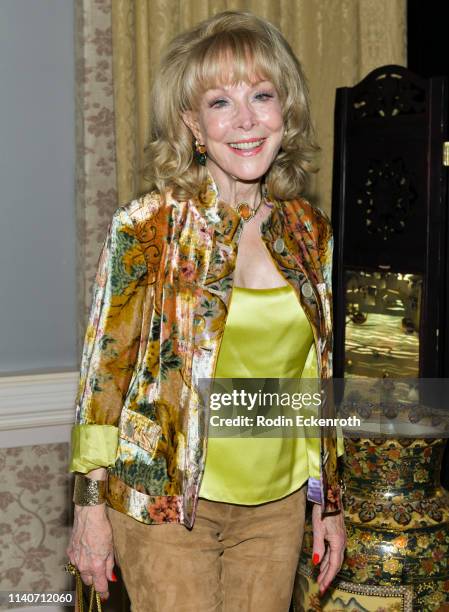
[(195, 61)]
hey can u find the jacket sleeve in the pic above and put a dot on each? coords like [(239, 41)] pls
[(332, 501), (327, 273), (310, 371), (111, 346), (315, 488)]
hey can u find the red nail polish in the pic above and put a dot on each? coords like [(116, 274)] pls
[(113, 577), (315, 558)]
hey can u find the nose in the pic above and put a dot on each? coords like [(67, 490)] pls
[(245, 116)]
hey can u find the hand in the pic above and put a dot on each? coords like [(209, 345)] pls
[(91, 548), (330, 529)]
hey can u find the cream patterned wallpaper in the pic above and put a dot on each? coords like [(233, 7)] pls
[(34, 506)]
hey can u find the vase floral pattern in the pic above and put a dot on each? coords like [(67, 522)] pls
[(397, 521)]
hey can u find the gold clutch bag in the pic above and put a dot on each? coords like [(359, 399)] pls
[(84, 602)]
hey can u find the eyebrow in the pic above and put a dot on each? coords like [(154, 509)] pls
[(252, 85)]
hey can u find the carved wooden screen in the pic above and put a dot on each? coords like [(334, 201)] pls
[(390, 224)]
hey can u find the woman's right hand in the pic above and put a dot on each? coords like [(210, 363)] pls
[(91, 547)]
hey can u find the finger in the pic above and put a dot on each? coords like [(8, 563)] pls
[(325, 560), (323, 571), (319, 548), (72, 552), (70, 556), (100, 581), (323, 584), (86, 577), (332, 569), (324, 565), (110, 568)]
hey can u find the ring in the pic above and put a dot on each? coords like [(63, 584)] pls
[(71, 569)]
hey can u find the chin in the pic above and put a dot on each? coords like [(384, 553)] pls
[(250, 175), (248, 178)]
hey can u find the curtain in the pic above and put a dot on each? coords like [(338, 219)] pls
[(337, 41)]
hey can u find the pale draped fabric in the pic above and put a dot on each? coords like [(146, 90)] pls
[(337, 41)]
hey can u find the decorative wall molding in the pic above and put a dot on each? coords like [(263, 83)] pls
[(37, 408)]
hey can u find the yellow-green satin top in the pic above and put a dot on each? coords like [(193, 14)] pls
[(267, 335)]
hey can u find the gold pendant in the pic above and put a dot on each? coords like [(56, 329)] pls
[(245, 211)]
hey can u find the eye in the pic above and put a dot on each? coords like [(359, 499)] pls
[(218, 103), (264, 95)]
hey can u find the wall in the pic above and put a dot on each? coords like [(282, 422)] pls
[(37, 219), (37, 291), (34, 523)]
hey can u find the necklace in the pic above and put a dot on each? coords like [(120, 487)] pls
[(246, 212)]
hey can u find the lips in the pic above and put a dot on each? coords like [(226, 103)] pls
[(247, 148), (247, 145)]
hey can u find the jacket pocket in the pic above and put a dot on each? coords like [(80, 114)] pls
[(139, 429)]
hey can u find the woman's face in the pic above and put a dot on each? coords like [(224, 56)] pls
[(242, 128)]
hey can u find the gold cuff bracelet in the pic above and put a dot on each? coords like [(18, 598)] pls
[(88, 492)]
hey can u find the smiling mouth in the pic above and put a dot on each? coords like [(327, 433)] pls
[(247, 146)]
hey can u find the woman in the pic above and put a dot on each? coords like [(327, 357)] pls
[(222, 533)]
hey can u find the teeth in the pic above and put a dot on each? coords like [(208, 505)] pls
[(246, 145)]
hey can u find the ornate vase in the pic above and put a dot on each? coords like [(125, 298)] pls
[(397, 521)]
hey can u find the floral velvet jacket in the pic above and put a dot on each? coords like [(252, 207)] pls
[(160, 303)]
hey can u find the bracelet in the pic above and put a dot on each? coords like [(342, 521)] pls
[(88, 492)]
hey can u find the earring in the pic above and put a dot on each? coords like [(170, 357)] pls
[(199, 153)]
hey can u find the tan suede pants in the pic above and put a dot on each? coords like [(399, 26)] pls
[(234, 559)]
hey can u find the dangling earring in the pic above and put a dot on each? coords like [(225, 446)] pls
[(199, 153)]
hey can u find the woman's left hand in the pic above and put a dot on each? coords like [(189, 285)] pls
[(330, 529)]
